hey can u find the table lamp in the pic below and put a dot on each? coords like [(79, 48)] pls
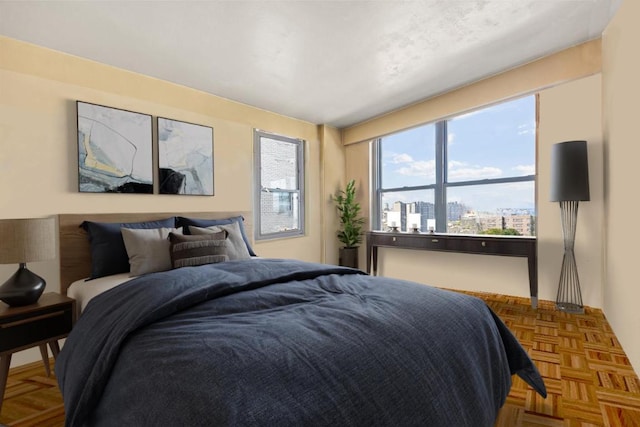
[(22, 241), (569, 185)]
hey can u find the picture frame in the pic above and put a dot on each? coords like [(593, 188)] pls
[(114, 150), (185, 158)]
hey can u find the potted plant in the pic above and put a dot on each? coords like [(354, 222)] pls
[(351, 225)]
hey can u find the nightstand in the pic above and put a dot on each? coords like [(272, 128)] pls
[(35, 325)]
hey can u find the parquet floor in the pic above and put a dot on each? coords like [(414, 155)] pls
[(32, 399), (588, 377)]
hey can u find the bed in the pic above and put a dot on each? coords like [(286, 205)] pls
[(262, 342)]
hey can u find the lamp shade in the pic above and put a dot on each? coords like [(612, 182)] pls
[(569, 171), (27, 240)]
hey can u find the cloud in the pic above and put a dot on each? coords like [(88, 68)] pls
[(450, 137), (525, 169), (421, 168), (527, 128), (401, 158), (460, 171)]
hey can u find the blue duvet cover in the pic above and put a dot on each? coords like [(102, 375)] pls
[(269, 342)]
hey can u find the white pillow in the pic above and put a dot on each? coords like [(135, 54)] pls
[(148, 249), (236, 247)]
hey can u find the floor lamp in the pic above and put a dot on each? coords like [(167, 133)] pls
[(569, 186)]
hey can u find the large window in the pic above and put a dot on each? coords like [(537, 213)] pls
[(279, 198), (470, 174)]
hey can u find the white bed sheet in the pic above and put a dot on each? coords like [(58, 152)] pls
[(84, 290)]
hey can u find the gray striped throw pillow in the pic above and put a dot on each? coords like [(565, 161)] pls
[(197, 250)]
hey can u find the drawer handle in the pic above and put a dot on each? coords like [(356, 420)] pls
[(434, 240), (31, 319), (484, 244), (394, 239)]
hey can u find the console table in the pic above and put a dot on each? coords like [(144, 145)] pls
[(519, 246)]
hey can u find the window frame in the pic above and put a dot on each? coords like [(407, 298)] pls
[(441, 183), (259, 188)]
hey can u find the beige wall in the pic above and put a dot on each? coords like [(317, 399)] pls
[(621, 93), (332, 176), (357, 167), (572, 111), (38, 160)]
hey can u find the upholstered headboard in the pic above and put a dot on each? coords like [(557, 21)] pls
[(75, 256)]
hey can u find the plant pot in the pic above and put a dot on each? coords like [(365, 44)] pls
[(348, 257)]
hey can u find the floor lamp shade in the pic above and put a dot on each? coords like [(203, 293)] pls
[(569, 186), (22, 241), (569, 171)]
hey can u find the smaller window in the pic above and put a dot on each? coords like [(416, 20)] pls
[(279, 194)]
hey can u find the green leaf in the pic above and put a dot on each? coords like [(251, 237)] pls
[(351, 222)]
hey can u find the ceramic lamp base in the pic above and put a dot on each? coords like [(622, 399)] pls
[(23, 288)]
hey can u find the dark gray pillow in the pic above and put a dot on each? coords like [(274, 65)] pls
[(197, 250)]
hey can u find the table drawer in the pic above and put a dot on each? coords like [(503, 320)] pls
[(21, 331), (435, 243), (479, 246), (410, 241), (386, 240), (494, 246)]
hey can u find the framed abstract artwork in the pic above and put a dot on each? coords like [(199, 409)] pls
[(114, 150), (185, 158)]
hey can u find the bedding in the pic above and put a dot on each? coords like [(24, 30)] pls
[(287, 343)]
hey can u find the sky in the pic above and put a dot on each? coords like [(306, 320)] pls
[(494, 142)]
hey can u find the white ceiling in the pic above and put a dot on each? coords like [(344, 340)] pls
[(336, 62)]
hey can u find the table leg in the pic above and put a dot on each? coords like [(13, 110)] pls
[(45, 358), (532, 261), (55, 348), (5, 362), (375, 260)]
